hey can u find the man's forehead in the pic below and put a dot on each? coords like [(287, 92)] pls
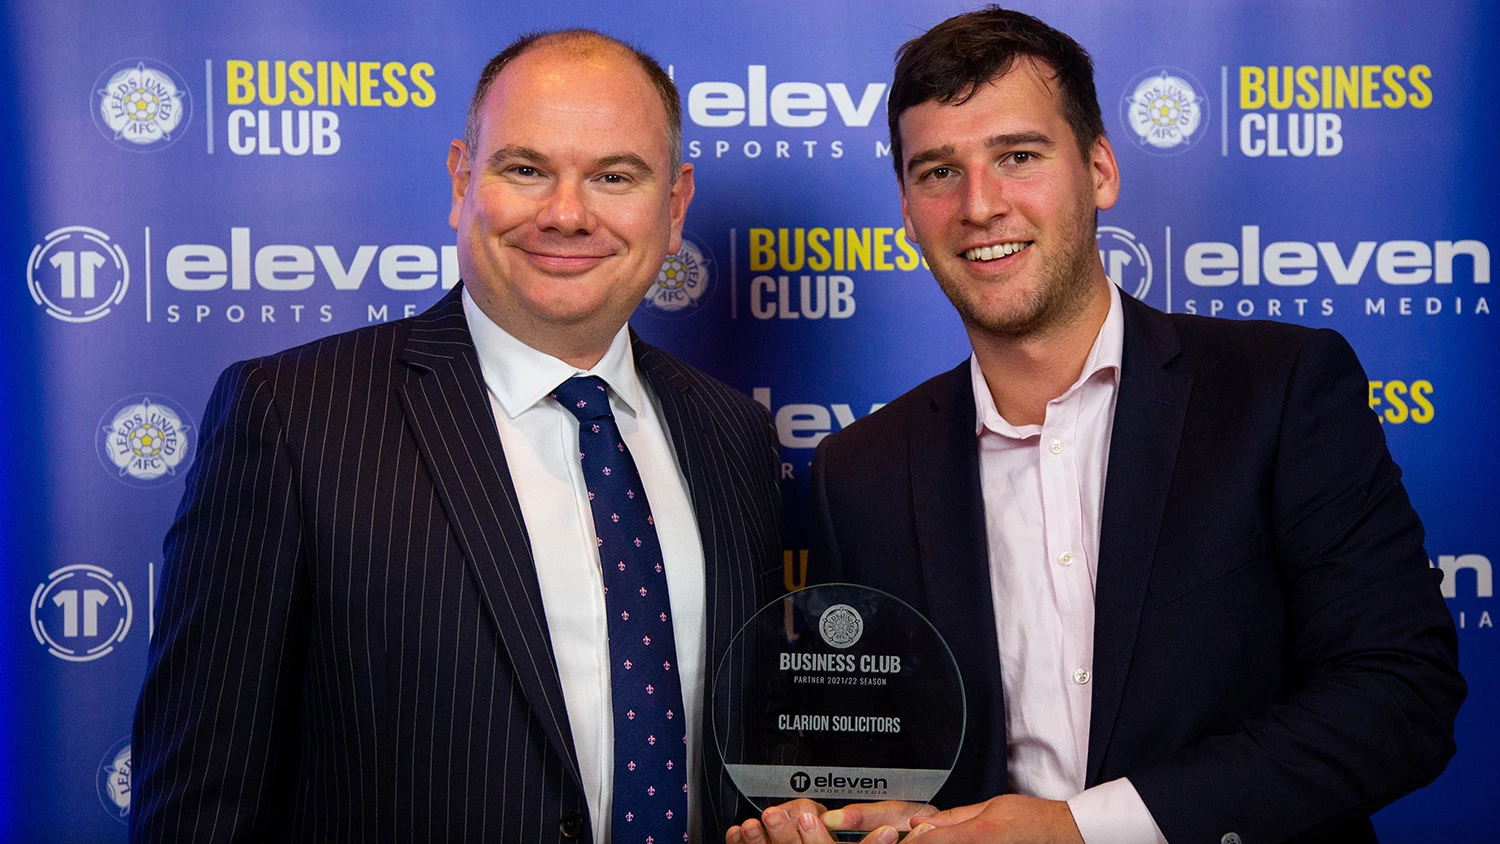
[(552, 74), (556, 62), (572, 77), (1025, 73)]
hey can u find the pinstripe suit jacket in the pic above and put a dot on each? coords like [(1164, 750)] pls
[(352, 644)]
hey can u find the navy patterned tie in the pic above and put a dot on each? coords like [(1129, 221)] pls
[(650, 796)]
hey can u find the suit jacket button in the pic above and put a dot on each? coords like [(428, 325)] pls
[(571, 825), (1230, 838)]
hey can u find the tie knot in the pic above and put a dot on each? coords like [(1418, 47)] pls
[(584, 396)]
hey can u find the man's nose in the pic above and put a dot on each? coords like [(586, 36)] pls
[(567, 209), (986, 196)]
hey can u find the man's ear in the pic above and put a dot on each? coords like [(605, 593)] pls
[(681, 197), (1105, 172), (458, 172)]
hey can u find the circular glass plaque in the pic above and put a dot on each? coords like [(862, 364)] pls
[(841, 694)]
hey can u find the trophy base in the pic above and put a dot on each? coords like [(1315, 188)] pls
[(856, 835)]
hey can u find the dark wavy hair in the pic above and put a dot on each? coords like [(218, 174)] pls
[(949, 62)]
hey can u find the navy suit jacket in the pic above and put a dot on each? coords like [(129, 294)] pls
[(1272, 656), (352, 645)]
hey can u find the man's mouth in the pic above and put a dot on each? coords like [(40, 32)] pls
[(567, 256), (564, 261), (996, 251)]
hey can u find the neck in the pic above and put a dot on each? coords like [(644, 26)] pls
[(1025, 373), (580, 344)]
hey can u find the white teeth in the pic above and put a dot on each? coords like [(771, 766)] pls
[(999, 250)]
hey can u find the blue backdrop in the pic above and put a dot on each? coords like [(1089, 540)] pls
[(182, 187)]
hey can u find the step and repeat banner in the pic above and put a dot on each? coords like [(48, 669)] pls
[(185, 186)]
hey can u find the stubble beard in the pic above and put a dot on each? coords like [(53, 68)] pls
[(1060, 296)]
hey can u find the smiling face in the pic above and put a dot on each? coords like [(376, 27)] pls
[(567, 206), (996, 193)]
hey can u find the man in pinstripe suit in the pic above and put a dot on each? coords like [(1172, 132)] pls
[(383, 616)]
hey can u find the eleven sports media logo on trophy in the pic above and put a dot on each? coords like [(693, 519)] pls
[(142, 105), (1165, 109), (685, 280), (143, 441)]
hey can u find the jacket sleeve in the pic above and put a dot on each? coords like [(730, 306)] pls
[(218, 714), (1372, 647)]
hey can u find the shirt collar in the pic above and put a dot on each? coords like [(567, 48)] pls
[(1105, 354), (520, 376)]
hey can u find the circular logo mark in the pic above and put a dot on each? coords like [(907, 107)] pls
[(1126, 261), (685, 278), (841, 626), (80, 613), (143, 441), (800, 782), (142, 105), (77, 274), (113, 781), (1166, 109)]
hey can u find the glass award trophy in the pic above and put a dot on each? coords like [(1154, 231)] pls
[(841, 694)]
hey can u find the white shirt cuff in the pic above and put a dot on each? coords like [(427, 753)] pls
[(1113, 813)]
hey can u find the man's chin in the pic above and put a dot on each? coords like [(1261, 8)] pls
[(1010, 319)]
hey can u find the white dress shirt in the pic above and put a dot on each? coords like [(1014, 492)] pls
[(541, 450), (1043, 488)]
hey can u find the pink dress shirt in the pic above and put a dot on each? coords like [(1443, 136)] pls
[(1043, 489)]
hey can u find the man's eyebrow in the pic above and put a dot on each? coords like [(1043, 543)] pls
[(929, 155), (627, 160), (513, 152), (1009, 139), (1019, 139)]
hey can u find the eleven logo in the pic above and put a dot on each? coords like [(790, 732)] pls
[(77, 274), (1126, 260), (142, 105), (143, 441), (81, 612), (1165, 109)]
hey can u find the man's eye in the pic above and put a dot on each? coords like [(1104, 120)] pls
[(614, 179), (524, 171), (939, 173), (1021, 157)]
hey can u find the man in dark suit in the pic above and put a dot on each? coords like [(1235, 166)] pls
[(1172, 556), (461, 577)]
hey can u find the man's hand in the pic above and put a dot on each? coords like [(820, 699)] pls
[(1009, 818), (871, 816), (807, 822)]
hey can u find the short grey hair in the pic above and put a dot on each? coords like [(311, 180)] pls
[(671, 100)]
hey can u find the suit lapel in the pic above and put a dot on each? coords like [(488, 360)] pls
[(1149, 415), (951, 538), (697, 448), (451, 420), (700, 454)]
